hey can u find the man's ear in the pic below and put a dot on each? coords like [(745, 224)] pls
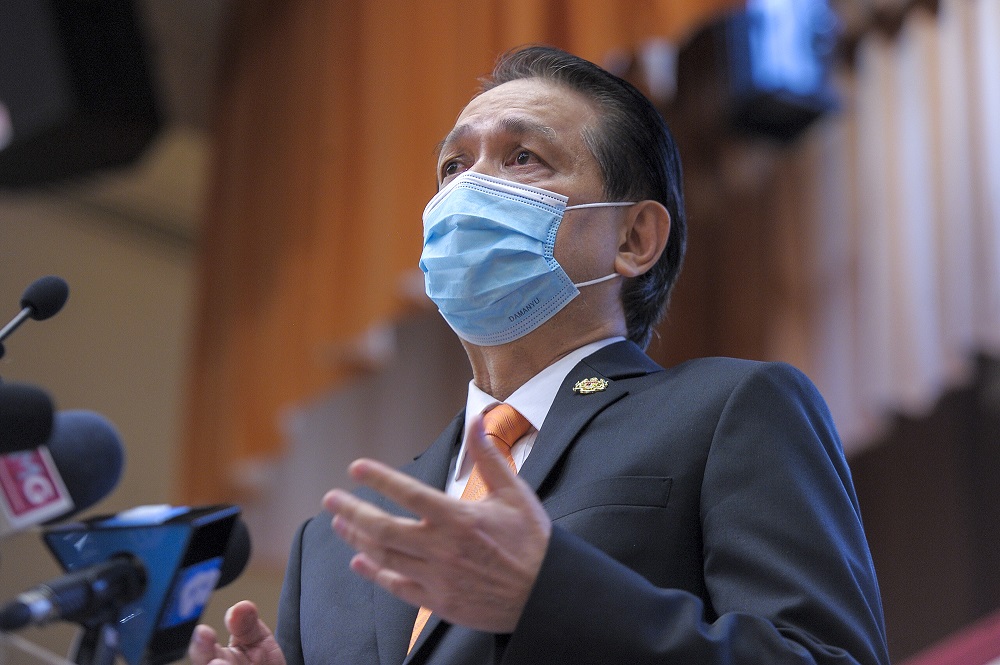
[(642, 238)]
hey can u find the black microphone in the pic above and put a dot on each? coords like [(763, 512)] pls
[(180, 554), (25, 417), (80, 464), (78, 596), (89, 454), (237, 554), (43, 298)]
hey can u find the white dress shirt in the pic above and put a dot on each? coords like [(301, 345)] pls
[(532, 400)]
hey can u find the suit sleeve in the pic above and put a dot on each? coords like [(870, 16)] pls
[(787, 570), (287, 630)]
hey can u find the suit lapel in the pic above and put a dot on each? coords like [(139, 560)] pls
[(571, 411), (394, 618)]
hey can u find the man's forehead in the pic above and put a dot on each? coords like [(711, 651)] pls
[(525, 107), (514, 125)]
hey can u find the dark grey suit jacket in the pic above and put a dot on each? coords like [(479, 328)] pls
[(702, 514)]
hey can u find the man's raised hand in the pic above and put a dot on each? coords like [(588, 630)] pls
[(473, 563)]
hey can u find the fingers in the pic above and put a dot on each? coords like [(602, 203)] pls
[(403, 490), (410, 493), (390, 541), (244, 625), (491, 463), (203, 646), (366, 527), (472, 562), (399, 542), (391, 580), (250, 641)]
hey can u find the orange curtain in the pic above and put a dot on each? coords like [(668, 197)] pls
[(328, 114)]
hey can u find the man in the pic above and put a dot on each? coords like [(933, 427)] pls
[(702, 514)]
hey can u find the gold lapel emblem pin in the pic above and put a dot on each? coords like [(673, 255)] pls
[(589, 386)]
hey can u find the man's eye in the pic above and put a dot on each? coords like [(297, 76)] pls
[(450, 168), (523, 157)]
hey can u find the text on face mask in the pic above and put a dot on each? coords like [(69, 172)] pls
[(524, 310)]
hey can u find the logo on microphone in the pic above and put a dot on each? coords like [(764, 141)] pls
[(31, 487), (191, 592)]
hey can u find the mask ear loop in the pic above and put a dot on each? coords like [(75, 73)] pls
[(602, 204), (591, 282)]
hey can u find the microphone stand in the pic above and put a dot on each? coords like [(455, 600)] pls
[(98, 643)]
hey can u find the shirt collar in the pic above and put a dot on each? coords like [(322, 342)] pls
[(533, 399)]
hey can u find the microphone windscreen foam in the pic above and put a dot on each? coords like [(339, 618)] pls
[(45, 296), (25, 417), (88, 454), (237, 554)]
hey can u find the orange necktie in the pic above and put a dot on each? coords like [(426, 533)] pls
[(503, 426)]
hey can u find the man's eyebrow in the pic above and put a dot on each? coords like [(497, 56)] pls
[(453, 136), (522, 126), (510, 125)]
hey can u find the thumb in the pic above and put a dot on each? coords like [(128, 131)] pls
[(244, 625)]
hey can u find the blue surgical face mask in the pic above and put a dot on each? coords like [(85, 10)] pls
[(487, 258)]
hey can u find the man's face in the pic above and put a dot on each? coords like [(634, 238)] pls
[(532, 131)]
